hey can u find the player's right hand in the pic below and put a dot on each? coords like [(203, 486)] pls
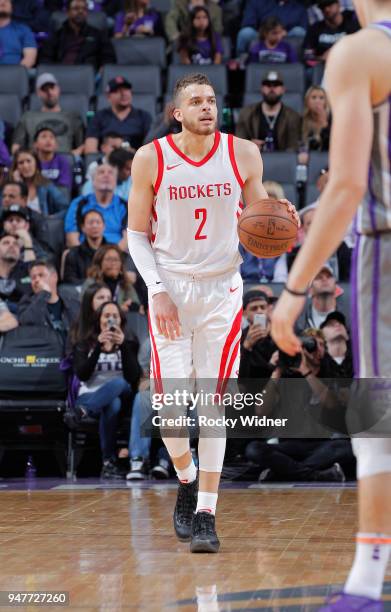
[(166, 316)]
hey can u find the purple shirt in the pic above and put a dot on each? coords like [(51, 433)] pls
[(58, 170), (150, 19), (281, 54), (204, 51)]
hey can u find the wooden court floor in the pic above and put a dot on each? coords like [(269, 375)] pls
[(113, 550)]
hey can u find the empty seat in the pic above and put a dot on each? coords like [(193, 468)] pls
[(68, 102), (296, 42), (279, 166), (216, 73), (145, 101), (77, 79), (293, 100), (95, 19), (292, 74), (144, 79), (163, 6), (290, 192), (140, 51), (10, 108), (14, 80), (318, 160), (311, 194), (317, 74)]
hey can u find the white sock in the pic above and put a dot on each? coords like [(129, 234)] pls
[(187, 475), (207, 599), (369, 566), (206, 502)]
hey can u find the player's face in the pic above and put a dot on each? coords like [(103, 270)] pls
[(197, 110)]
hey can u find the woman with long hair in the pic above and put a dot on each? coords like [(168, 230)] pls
[(200, 44), (138, 19), (108, 266), (316, 120), (93, 297), (43, 196), (106, 364), (271, 48)]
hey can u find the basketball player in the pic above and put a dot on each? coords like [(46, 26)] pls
[(358, 80), (188, 187)]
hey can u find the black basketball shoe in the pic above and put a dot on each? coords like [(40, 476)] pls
[(185, 506), (203, 533)]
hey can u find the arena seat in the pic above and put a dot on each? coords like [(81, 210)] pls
[(216, 73), (296, 42), (293, 100), (10, 108), (317, 161), (163, 6), (279, 166), (145, 101), (140, 51), (311, 194), (144, 79), (293, 75), (78, 103), (317, 74), (227, 47), (14, 80), (79, 79)]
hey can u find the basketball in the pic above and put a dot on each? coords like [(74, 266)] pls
[(267, 228)]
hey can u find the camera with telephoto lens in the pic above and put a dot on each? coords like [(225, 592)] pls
[(286, 361)]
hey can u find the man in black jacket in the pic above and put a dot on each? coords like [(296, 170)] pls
[(79, 258), (45, 306), (257, 345), (76, 42)]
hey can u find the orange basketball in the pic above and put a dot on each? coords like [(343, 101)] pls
[(267, 228)]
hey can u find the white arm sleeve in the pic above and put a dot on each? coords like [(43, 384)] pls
[(141, 252)]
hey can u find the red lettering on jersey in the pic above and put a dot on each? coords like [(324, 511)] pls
[(173, 192), (218, 187), (192, 192), (210, 191), (227, 189), (182, 192), (200, 191)]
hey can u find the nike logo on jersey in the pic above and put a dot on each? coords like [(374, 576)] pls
[(233, 290), (172, 167)]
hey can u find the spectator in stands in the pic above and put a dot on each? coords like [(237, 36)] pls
[(323, 297), (338, 345), (108, 266), (79, 258), (47, 305), (17, 41), (200, 44), (130, 122), (7, 319), (257, 346), (342, 257), (292, 15), (111, 207), (76, 42), (271, 48), (269, 123), (138, 19), (5, 159), (43, 196), (14, 276), (92, 298), (54, 167), (122, 160), (178, 19), (106, 364), (110, 141), (316, 123), (16, 222), (322, 35), (164, 124), (66, 125)]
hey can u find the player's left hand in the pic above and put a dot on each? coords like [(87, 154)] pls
[(292, 209), (283, 318)]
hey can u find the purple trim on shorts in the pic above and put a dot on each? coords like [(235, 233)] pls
[(375, 305), (354, 306), (372, 199)]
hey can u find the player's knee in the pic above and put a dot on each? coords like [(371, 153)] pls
[(373, 456)]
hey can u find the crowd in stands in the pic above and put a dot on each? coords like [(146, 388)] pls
[(66, 173)]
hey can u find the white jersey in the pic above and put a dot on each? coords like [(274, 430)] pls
[(196, 209)]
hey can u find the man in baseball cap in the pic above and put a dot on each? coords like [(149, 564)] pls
[(16, 222)]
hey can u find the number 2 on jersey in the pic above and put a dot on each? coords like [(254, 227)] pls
[(200, 213)]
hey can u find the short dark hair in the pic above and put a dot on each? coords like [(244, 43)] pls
[(22, 186), (83, 216), (111, 135), (190, 79), (69, 2), (6, 235), (269, 24), (43, 129), (119, 157), (43, 262)]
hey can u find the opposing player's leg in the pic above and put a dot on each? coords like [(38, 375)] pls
[(216, 360), (171, 370)]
